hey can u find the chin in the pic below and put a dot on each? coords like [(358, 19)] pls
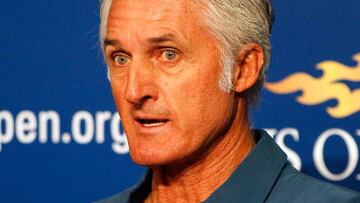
[(156, 156)]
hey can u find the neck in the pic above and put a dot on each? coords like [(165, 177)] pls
[(195, 182)]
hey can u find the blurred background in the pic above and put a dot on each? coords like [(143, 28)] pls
[(60, 136)]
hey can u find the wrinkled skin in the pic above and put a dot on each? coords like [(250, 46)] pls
[(164, 71), (183, 90)]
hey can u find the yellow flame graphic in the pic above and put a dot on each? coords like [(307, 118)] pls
[(326, 87)]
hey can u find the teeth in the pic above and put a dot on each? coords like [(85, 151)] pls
[(153, 124)]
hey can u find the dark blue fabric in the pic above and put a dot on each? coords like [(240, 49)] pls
[(264, 176)]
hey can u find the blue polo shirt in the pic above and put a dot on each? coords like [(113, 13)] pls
[(264, 176)]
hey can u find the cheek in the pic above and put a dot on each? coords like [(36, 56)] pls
[(116, 91), (118, 88), (199, 102)]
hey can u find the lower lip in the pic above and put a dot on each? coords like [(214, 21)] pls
[(153, 124), (151, 128)]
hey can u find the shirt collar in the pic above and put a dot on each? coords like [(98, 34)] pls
[(252, 181)]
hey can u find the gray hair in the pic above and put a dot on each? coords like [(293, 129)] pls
[(234, 23)]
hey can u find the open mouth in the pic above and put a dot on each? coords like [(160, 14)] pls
[(152, 122)]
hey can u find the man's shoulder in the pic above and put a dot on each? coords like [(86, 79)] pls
[(136, 193), (294, 186), (122, 197)]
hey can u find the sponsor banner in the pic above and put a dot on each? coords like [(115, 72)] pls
[(44, 127), (61, 139)]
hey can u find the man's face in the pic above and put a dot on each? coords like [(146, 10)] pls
[(164, 71)]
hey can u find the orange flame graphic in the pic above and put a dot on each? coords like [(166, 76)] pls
[(326, 87)]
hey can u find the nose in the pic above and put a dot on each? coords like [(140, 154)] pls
[(140, 83)]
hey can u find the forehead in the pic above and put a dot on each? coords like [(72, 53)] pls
[(143, 17)]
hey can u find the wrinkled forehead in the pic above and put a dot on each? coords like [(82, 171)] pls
[(150, 8), (132, 18)]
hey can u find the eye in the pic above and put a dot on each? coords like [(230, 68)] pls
[(120, 60), (169, 55)]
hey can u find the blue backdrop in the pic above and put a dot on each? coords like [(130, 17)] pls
[(61, 140)]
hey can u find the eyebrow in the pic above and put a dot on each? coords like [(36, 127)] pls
[(162, 39), (115, 43), (153, 40), (111, 42)]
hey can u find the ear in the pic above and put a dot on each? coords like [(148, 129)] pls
[(248, 65)]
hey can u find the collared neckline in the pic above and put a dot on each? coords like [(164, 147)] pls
[(252, 181), (255, 177)]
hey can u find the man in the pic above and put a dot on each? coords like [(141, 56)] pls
[(183, 73)]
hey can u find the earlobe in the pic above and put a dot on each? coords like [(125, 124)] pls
[(248, 66)]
